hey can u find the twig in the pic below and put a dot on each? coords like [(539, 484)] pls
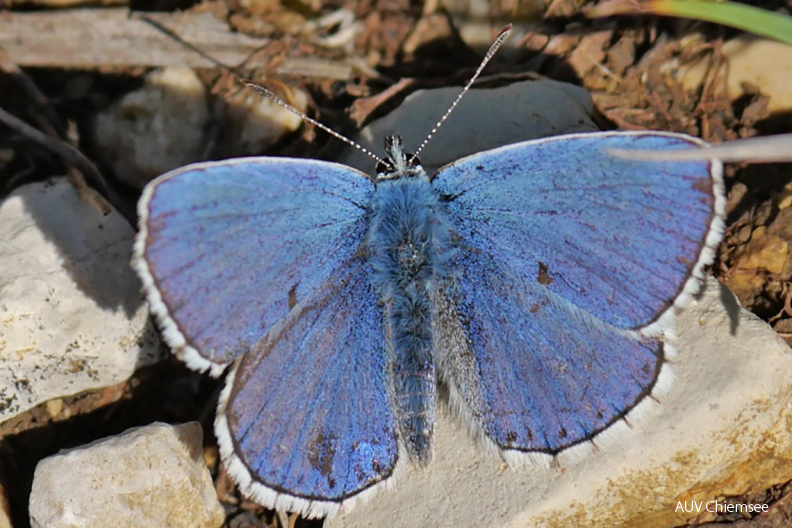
[(49, 121), (102, 38)]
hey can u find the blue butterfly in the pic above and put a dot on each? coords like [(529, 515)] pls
[(536, 281)]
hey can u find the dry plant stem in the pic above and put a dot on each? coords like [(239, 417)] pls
[(717, 70), (362, 108), (77, 178), (40, 100), (54, 130), (198, 51), (70, 156), (764, 149)]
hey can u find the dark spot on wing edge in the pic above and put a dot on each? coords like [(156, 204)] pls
[(321, 453), (544, 277)]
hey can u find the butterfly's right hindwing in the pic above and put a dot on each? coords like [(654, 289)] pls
[(305, 423)]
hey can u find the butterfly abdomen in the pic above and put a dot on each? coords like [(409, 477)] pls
[(408, 242)]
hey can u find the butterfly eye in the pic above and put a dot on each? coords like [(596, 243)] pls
[(383, 167), (413, 160)]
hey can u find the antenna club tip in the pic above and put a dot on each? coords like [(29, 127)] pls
[(506, 29)]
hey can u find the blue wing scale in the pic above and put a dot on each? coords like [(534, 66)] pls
[(616, 238), (535, 372), (566, 258)]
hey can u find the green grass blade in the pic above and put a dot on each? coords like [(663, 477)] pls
[(740, 16)]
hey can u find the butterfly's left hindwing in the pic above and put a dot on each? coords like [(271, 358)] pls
[(261, 262), (226, 249), (617, 238)]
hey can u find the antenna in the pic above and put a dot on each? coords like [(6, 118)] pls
[(493, 49), (299, 113), (260, 89), (504, 33)]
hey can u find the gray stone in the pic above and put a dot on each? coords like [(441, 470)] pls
[(156, 128), (485, 118), (721, 430), (169, 122)]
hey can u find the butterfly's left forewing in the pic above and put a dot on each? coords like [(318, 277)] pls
[(260, 262)]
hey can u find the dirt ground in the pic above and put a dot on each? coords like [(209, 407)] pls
[(398, 47)]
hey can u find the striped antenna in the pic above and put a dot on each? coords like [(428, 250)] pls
[(259, 89), (275, 99), (504, 33)]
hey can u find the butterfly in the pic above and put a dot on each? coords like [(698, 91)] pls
[(537, 282)]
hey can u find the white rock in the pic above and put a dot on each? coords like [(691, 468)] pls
[(485, 118), (722, 430), (254, 123), (147, 476), (169, 122), (72, 314), (157, 128), (762, 63)]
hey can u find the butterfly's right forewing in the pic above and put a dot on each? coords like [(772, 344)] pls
[(227, 249), (569, 269)]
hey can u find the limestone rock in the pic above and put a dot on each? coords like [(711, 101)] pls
[(254, 123), (146, 476), (157, 128), (756, 62), (73, 318), (169, 122)]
